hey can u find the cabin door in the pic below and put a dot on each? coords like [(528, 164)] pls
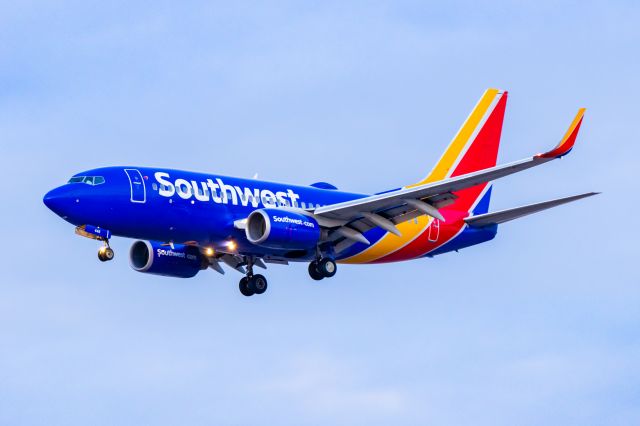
[(138, 190), (434, 230)]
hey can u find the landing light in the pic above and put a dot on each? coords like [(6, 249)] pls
[(208, 251), (231, 245)]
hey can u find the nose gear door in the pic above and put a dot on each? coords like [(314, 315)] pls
[(138, 189)]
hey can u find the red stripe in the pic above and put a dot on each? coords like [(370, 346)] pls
[(482, 154), (564, 147)]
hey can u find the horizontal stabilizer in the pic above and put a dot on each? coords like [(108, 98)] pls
[(510, 214)]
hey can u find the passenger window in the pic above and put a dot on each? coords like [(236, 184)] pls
[(154, 186)]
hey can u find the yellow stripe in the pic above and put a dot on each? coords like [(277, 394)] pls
[(450, 156), (573, 125), (390, 243)]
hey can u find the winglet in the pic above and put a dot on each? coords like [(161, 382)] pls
[(569, 139)]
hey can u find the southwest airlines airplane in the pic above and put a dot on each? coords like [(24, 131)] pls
[(185, 222)]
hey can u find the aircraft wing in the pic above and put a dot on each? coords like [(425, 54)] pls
[(503, 216), (387, 209)]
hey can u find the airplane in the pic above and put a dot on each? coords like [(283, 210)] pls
[(185, 222)]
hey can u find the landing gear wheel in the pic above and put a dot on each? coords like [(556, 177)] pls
[(258, 284), (244, 287), (105, 254), (313, 271), (327, 267)]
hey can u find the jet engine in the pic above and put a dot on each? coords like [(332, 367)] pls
[(180, 261), (280, 229)]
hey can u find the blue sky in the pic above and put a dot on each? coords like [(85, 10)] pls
[(539, 326)]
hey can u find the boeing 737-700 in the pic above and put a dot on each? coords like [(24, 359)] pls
[(185, 222)]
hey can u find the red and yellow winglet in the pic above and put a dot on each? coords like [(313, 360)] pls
[(569, 139)]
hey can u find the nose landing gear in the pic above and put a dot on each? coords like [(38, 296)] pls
[(105, 253)]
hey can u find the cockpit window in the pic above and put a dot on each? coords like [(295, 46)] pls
[(89, 180)]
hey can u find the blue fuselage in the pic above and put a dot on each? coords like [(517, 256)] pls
[(178, 206)]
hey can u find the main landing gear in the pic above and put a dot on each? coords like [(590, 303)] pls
[(105, 253), (252, 284), (322, 268)]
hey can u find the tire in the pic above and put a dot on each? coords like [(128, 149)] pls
[(258, 284), (109, 254), (327, 267), (244, 287), (313, 271), (105, 254)]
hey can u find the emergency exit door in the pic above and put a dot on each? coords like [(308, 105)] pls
[(434, 230)]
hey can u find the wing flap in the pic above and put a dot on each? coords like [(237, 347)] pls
[(518, 212)]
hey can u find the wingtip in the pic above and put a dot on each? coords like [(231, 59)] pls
[(586, 195), (568, 140)]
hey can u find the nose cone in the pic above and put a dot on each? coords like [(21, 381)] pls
[(59, 201)]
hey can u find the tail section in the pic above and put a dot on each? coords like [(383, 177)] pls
[(459, 186), (473, 148)]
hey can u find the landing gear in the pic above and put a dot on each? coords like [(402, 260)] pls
[(258, 283), (105, 253), (252, 284), (244, 287), (255, 284), (327, 267), (313, 271), (323, 268)]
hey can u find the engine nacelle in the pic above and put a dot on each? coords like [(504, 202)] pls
[(154, 258), (280, 229)]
